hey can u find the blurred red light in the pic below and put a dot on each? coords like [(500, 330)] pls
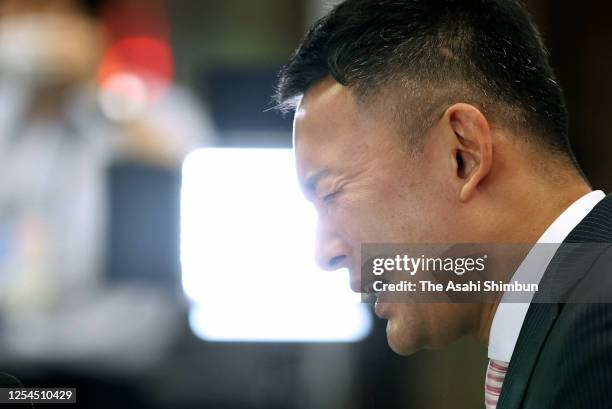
[(139, 45), (148, 58)]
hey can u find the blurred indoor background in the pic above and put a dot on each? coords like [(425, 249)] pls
[(149, 281)]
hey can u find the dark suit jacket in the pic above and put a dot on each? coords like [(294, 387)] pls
[(563, 356)]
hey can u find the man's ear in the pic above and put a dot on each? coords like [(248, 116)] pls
[(472, 152)]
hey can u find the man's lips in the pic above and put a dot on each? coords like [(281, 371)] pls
[(381, 309), (375, 299), (369, 297)]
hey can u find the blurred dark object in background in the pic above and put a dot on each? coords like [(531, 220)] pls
[(144, 226), (578, 35), (240, 105)]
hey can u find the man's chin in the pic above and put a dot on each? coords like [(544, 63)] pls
[(399, 341)]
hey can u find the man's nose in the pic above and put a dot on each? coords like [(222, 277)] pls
[(331, 257), (331, 253)]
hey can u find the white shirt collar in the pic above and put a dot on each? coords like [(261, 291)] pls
[(509, 317)]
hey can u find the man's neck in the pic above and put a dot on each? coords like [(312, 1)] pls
[(545, 211)]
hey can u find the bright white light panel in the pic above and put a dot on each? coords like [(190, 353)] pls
[(247, 254)]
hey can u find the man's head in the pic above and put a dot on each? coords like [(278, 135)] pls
[(422, 121)]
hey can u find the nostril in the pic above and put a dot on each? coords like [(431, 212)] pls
[(336, 261)]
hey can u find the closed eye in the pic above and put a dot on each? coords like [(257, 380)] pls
[(328, 198)]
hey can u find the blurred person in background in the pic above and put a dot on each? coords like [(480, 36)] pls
[(69, 110)]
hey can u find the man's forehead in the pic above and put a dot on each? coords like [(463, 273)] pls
[(332, 129), (325, 90), (316, 123), (324, 116)]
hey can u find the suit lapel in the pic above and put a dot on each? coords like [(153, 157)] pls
[(538, 323), (595, 228)]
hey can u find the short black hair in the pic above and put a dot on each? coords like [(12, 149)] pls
[(485, 52)]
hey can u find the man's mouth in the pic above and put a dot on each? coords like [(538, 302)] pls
[(369, 297), (381, 309), (374, 299)]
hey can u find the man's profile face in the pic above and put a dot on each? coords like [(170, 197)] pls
[(366, 188)]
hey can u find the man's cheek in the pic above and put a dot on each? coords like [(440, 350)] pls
[(355, 210), (349, 226)]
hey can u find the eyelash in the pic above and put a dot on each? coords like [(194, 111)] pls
[(330, 197)]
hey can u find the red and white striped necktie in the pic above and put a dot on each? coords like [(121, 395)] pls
[(496, 372)]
